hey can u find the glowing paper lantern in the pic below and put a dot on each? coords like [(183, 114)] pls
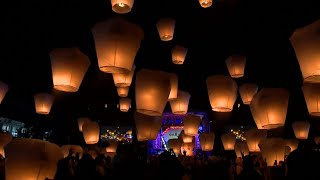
[(236, 65), (292, 143), (125, 104), (178, 54), (2, 152), (255, 116), (188, 148), (73, 148), (165, 28), (311, 92), (122, 6), (205, 3), (122, 91), (81, 121), (123, 79), (317, 139), (272, 149), (270, 106), (117, 43), (113, 145), (241, 147), (253, 137), (152, 90), (191, 124), (186, 138), (306, 44), (5, 138), (301, 129), (69, 65), (175, 145), (207, 141), (3, 90), (228, 141), (43, 103), (222, 91), (247, 91), (147, 126), (174, 86), (31, 159), (91, 132), (181, 103)]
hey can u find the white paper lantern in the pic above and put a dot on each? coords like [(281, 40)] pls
[(91, 132), (181, 103), (122, 6)]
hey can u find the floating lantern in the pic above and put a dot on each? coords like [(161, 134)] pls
[(253, 137), (178, 54), (81, 121), (75, 149), (186, 138), (181, 103), (2, 152), (174, 86), (205, 3), (191, 124), (165, 28), (228, 141), (3, 90), (123, 79), (247, 91), (123, 91), (175, 145), (255, 116), (188, 148), (113, 145), (301, 129), (311, 92), (236, 65), (241, 147), (272, 149), (147, 126), (91, 132), (43, 103), (292, 143), (207, 141), (222, 91), (125, 104), (117, 43), (122, 6)]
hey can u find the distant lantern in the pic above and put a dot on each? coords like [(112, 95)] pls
[(186, 138), (207, 141), (181, 103), (113, 145), (236, 65), (228, 141), (31, 159), (147, 127), (222, 91), (205, 3), (178, 54), (247, 91), (117, 43), (187, 148), (123, 79), (5, 138), (301, 129), (91, 132), (69, 65), (292, 143), (81, 121), (241, 147), (122, 6), (191, 124), (165, 28), (317, 140), (253, 137), (73, 149), (174, 86), (123, 91), (125, 104), (273, 149), (175, 145), (311, 92), (3, 90), (43, 103), (270, 106), (306, 44), (152, 90)]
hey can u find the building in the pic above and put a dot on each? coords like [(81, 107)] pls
[(12, 126)]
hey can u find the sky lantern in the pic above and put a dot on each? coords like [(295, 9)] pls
[(236, 65), (311, 92), (2, 152), (91, 132), (181, 103), (174, 86), (125, 104), (152, 89), (301, 129), (253, 137), (81, 121), (165, 28), (270, 106), (207, 141), (273, 149), (113, 145), (123, 79), (292, 143), (122, 6), (186, 138), (187, 148), (228, 141), (43, 103), (191, 124), (3, 90), (247, 91), (123, 91), (222, 91), (31, 159), (147, 127), (69, 66), (117, 43), (306, 44), (255, 116), (205, 3), (175, 145), (241, 147), (75, 149), (178, 54)]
